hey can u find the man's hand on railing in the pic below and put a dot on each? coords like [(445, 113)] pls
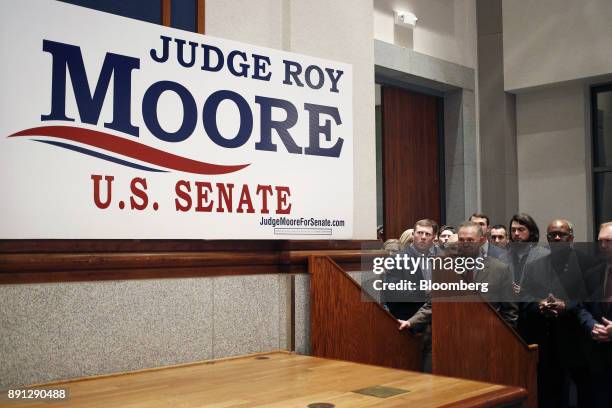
[(404, 324)]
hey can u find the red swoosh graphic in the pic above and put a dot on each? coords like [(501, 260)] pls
[(130, 148)]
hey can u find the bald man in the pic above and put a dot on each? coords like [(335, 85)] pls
[(552, 288)]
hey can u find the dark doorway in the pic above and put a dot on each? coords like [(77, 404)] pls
[(412, 159)]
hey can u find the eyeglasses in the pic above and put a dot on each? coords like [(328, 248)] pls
[(560, 234)]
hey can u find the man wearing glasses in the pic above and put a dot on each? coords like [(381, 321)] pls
[(552, 288)]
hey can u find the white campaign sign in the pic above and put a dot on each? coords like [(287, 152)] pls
[(117, 128)]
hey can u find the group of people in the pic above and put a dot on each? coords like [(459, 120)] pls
[(557, 295)]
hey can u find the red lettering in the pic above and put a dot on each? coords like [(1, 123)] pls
[(267, 190), (96, 191), (183, 194), (245, 199), (225, 196), (282, 193), (203, 196), (140, 193)]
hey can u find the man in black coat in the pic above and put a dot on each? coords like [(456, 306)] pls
[(552, 289), (596, 319)]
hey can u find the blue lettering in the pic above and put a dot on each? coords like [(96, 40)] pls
[(281, 127), (292, 70), (231, 66), (149, 111), (165, 52), (181, 57), (259, 64), (334, 78), (319, 72), (315, 129), (68, 57), (210, 119), (207, 58)]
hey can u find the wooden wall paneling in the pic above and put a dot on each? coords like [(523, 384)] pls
[(411, 162), (20, 267), (166, 13), (176, 245), (344, 327), (201, 16), (470, 340)]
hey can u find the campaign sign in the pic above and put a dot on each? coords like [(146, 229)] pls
[(117, 128)]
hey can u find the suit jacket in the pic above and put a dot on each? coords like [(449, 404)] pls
[(536, 252), (495, 251), (500, 294), (403, 305), (561, 275), (499, 280), (566, 283), (589, 313)]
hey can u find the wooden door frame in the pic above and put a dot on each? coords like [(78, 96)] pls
[(441, 147)]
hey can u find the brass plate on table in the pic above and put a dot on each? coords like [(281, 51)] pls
[(380, 391)]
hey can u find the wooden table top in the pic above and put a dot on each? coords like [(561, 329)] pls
[(277, 379)]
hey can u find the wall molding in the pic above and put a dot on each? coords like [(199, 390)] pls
[(40, 261)]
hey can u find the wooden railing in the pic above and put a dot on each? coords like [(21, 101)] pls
[(469, 339), (344, 327)]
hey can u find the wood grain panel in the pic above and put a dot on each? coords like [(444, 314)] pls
[(470, 340), (345, 327), (177, 245), (411, 179), (77, 266)]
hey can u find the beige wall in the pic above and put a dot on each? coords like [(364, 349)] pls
[(340, 30), (446, 29), (59, 331), (548, 41), (552, 151)]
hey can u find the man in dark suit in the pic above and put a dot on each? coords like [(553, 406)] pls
[(596, 319), (488, 249), (404, 305), (495, 273), (552, 288)]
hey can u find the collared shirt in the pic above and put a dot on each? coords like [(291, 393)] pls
[(425, 269), (484, 249)]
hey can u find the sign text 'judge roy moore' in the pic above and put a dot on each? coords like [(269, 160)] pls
[(196, 134)]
